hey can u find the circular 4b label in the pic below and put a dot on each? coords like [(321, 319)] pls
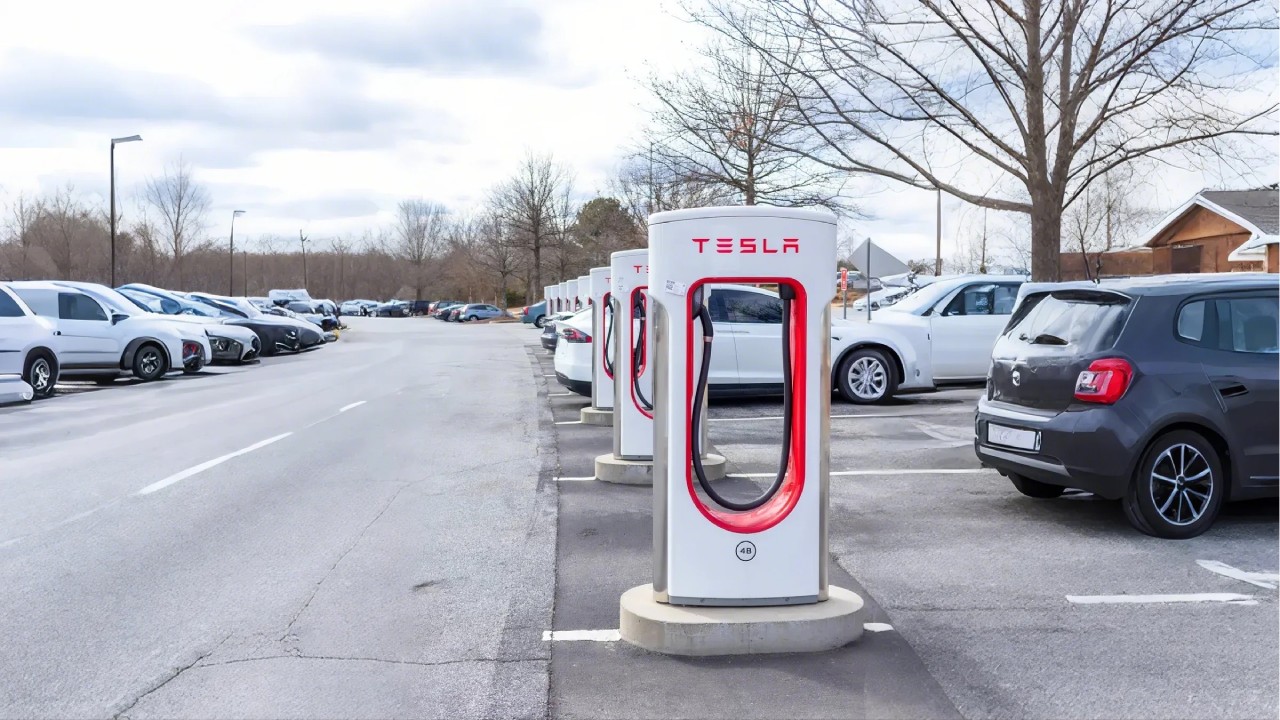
[(745, 551)]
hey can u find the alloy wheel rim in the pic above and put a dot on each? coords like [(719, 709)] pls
[(40, 375), (867, 378), (150, 362), (1181, 484)]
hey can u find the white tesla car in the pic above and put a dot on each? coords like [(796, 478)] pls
[(101, 335), (28, 348)]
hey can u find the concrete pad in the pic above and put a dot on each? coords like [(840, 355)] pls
[(596, 416), (610, 469), (715, 631)]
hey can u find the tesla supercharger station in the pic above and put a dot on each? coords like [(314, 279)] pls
[(632, 345), (584, 291), (553, 300), (710, 549), (571, 295), (547, 297), (602, 367)]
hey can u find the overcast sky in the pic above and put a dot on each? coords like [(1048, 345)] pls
[(323, 114)]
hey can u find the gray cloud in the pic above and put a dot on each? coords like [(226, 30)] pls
[(458, 38)]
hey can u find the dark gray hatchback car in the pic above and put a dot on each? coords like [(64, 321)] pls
[(1161, 392)]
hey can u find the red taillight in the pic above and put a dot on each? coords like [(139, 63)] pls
[(576, 336), (1105, 381)]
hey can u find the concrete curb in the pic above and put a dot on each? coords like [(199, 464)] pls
[(594, 416), (640, 472), (711, 631)]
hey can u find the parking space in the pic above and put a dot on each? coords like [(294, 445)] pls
[(990, 603)]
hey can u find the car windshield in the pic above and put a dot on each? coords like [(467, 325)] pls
[(150, 303), (114, 301), (923, 299)]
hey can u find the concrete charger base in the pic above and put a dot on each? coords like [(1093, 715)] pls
[(640, 472), (596, 416), (711, 631)]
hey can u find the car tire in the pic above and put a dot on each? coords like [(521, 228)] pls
[(539, 321), (41, 373), (866, 377), (149, 363), (1035, 488), (472, 318), (1178, 488)]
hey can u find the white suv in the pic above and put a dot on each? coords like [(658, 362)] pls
[(28, 345), (103, 336)]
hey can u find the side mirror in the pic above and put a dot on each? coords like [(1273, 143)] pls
[(117, 317)]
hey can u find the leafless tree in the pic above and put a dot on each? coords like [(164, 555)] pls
[(731, 123), (421, 231), (23, 214), (1106, 217), (645, 187), (535, 206), (181, 205), (1049, 95), (493, 249)]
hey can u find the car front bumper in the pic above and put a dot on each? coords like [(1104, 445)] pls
[(1091, 449), (226, 350)]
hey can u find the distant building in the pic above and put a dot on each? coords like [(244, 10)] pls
[(1215, 231)]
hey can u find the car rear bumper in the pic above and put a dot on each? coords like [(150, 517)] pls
[(578, 386), (1089, 449)]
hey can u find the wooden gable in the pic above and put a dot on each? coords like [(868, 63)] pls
[(1197, 223)]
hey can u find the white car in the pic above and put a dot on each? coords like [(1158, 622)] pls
[(881, 299), (101, 335), (28, 347), (573, 351), (942, 333), (229, 343), (14, 389)]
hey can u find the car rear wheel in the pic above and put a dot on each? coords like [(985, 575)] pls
[(866, 377), (1178, 488), (472, 318), (149, 363), (41, 374), (1035, 488), (539, 321)]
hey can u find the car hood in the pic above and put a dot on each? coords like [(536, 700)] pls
[(889, 318)]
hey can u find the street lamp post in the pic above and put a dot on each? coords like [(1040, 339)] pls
[(131, 138), (231, 275), (302, 240)]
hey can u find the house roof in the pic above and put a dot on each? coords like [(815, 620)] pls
[(1256, 210)]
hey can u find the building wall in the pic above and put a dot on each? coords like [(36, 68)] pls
[(1272, 265)]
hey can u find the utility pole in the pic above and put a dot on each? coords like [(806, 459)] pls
[(244, 255), (937, 263), (982, 261), (302, 240), (231, 269)]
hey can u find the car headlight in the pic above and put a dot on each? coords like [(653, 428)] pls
[(220, 344)]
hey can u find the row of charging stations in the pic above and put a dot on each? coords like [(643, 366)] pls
[(653, 342)]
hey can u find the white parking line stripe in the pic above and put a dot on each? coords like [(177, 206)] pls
[(891, 471), (1262, 580), (858, 416), (877, 627), (560, 394), (1233, 598), (161, 484), (570, 422), (573, 635), (574, 479), (345, 408)]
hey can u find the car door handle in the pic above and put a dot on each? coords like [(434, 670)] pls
[(57, 332), (1229, 387)]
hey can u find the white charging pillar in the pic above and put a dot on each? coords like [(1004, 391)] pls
[(584, 291), (774, 553), (601, 336), (570, 299), (633, 384)]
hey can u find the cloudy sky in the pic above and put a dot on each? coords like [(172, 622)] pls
[(322, 114)]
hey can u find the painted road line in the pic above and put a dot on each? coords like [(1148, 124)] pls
[(161, 484), (1232, 598), (352, 406), (575, 479), (858, 416), (560, 394), (580, 635), (877, 627), (570, 422), (893, 471), (1261, 579)]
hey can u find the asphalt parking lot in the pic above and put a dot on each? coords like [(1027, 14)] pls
[(1000, 605), (403, 524)]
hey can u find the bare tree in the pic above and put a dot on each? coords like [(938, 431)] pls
[(23, 214), (421, 232), (493, 249), (535, 205), (1048, 95), (1106, 217), (181, 204), (730, 123), (644, 187)]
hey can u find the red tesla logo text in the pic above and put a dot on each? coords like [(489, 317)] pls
[(748, 246), (637, 268)]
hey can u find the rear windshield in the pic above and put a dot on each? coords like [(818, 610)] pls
[(1078, 322)]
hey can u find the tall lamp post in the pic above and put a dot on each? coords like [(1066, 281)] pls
[(302, 240), (114, 141), (231, 275)]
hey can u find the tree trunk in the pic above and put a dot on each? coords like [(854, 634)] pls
[(1046, 241)]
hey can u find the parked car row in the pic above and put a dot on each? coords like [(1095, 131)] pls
[(456, 311), (1160, 392), (61, 330)]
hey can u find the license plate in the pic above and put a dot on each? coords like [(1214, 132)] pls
[(1013, 437)]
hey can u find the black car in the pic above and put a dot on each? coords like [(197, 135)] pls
[(1160, 392), (444, 308), (419, 307), (549, 335)]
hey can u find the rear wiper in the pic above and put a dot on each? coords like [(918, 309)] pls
[(1045, 339)]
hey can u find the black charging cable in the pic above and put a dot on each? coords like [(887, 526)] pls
[(638, 353), (609, 315), (787, 293)]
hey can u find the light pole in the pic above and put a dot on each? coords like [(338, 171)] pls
[(302, 240), (131, 138), (231, 275)]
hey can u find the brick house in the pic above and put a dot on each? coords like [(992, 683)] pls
[(1215, 231)]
